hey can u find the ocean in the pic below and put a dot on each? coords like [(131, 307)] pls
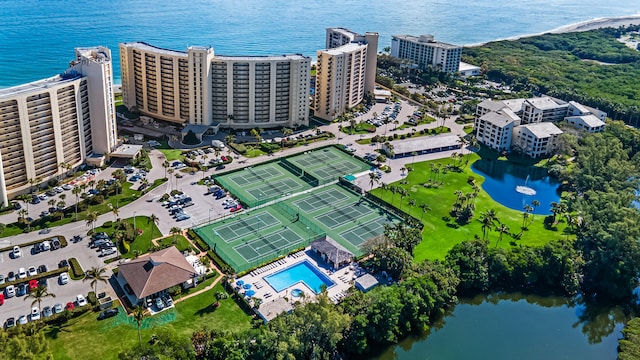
[(37, 37)]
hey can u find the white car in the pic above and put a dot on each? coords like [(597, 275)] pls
[(16, 252), (10, 291), (108, 251), (22, 273), (22, 320), (159, 303), (32, 271), (63, 279), (35, 314), (81, 300), (67, 187)]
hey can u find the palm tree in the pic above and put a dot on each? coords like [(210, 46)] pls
[(76, 191), (115, 212), (501, 229), (171, 171), (51, 202), (257, 133), (352, 125), (220, 295), (38, 294), (424, 208), (92, 184), (95, 275), (153, 219), (525, 216), (230, 138), (487, 219), (535, 204), (139, 313), (165, 165), (555, 209), (92, 217), (175, 231), (412, 202), (403, 193), (373, 179)]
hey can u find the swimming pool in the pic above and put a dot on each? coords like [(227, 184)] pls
[(303, 272)]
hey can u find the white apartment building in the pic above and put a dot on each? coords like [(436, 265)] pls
[(197, 87), (345, 70), (424, 51), (63, 119), (537, 139), (528, 124)]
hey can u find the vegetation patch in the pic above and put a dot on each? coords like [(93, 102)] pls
[(76, 272)]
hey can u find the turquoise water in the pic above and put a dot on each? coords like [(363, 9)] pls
[(37, 37), (502, 177), (506, 327), (302, 272)]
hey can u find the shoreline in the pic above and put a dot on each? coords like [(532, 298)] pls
[(592, 24)]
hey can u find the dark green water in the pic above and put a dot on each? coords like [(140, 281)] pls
[(516, 327)]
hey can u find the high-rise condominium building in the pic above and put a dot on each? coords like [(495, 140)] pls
[(64, 119), (344, 71), (424, 51), (200, 88)]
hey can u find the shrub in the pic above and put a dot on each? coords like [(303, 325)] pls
[(203, 246), (239, 148), (76, 272), (92, 298), (107, 224), (223, 266)]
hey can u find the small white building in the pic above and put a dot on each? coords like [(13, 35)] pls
[(466, 70), (589, 123), (366, 282), (422, 145)]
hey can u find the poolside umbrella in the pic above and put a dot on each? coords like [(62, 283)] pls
[(240, 282), (250, 293), (246, 286)]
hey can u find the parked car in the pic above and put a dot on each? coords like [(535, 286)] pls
[(69, 306), (42, 269), (21, 290), (81, 300), (16, 252), (58, 189), (108, 251), (182, 216), (101, 235), (10, 291), (220, 167), (22, 320), (32, 271), (11, 276), (63, 263), (43, 197), (67, 187), (237, 208), (35, 314), (22, 273), (159, 303), (9, 323), (55, 243), (108, 313), (63, 278), (45, 245), (46, 311), (1, 299), (1, 279), (33, 284), (57, 308)]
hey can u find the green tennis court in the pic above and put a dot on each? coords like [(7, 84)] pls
[(327, 164), (257, 237), (343, 215)]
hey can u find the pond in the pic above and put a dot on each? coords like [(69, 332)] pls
[(515, 186), (516, 327)]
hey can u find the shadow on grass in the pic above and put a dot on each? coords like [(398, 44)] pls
[(206, 310)]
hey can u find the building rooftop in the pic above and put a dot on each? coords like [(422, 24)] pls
[(128, 151), (270, 309), (545, 103), (343, 49), (425, 143), (335, 252), (39, 84), (500, 118), (148, 47), (261, 57), (590, 120), (366, 282), (426, 39), (157, 271), (466, 66), (492, 105), (543, 130)]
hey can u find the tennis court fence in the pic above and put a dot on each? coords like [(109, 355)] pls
[(247, 200), (295, 214)]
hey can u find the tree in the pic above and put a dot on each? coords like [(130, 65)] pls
[(76, 191), (220, 295), (38, 294), (373, 179), (403, 236), (403, 193), (487, 219), (502, 228), (534, 204), (139, 314), (352, 125), (175, 231), (229, 139), (96, 275), (92, 217), (153, 219), (424, 208), (115, 212), (165, 166)]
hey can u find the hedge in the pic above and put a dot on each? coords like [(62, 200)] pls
[(76, 270), (200, 244), (223, 266)]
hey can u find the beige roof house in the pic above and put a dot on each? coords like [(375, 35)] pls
[(155, 272)]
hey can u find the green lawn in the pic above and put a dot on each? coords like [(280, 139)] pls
[(142, 243), (172, 154), (362, 128), (181, 242), (439, 235), (85, 337)]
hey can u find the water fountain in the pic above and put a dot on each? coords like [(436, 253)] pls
[(525, 189)]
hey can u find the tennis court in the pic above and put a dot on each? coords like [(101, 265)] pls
[(256, 237), (343, 215), (262, 183), (327, 164)]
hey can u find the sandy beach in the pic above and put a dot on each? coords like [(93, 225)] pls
[(592, 24)]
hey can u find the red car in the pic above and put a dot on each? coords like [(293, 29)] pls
[(69, 306), (223, 158), (33, 284), (236, 208), (1, 299)]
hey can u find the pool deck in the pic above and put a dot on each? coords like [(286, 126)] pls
[(343, 279)]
